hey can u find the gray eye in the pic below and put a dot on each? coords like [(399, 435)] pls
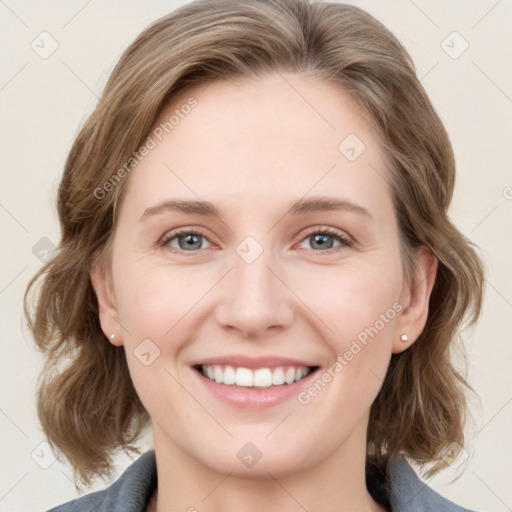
[(186, 241), (190, 242), (320, 241)]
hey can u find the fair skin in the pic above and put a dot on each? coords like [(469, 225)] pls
[(252, 148)]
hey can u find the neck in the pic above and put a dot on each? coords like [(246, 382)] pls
[(338, 484)]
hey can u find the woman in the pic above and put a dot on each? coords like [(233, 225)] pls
[(256, 260)]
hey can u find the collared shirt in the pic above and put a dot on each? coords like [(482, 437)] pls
[(132, 491)]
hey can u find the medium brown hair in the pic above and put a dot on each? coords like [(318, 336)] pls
[(86, 402)]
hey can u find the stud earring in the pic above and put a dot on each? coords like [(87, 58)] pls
[(404, 338), (112, 336)]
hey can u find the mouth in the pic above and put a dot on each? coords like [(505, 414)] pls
[(263, 378), (252, 383)]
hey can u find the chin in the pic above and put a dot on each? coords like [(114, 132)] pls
[(256, 460)]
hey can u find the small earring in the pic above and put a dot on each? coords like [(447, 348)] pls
[(112, 336), (404, 338)]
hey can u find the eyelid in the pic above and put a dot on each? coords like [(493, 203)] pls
[(171, 235), (344, 239)]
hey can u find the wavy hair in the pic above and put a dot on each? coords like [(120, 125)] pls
[(86, 402)]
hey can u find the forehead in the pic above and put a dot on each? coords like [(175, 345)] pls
[(257, 140)]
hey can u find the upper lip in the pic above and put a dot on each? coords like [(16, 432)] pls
[(244, 361)]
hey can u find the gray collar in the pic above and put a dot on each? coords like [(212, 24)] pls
[(132, 490), (409, 494)]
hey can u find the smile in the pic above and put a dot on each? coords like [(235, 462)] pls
[(254, 378)]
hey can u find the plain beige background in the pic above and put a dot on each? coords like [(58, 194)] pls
[(45, 100)]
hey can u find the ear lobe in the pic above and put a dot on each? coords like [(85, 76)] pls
[(108, 315), (415, 300)]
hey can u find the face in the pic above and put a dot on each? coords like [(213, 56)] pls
[(291, 271)]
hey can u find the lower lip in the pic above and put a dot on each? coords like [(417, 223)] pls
[(252, 398)]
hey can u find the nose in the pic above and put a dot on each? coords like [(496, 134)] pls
[(255, 300)]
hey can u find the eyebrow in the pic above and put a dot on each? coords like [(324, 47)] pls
[(302, 206)]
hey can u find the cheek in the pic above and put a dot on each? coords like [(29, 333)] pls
[(360, 309), (155, 307), (158, 307), (349, 299), (154, 301)]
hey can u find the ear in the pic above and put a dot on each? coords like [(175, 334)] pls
[(415, 300), (102, 285)]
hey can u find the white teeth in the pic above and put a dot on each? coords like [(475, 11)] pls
[(244, 377), (263, 378), (260, 378), (229, 375), (289, 375), (278, 377)]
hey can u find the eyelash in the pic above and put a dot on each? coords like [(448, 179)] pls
[(344, 240)]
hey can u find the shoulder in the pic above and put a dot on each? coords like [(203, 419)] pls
[(408, 493), (129, 493), (132, 490)]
